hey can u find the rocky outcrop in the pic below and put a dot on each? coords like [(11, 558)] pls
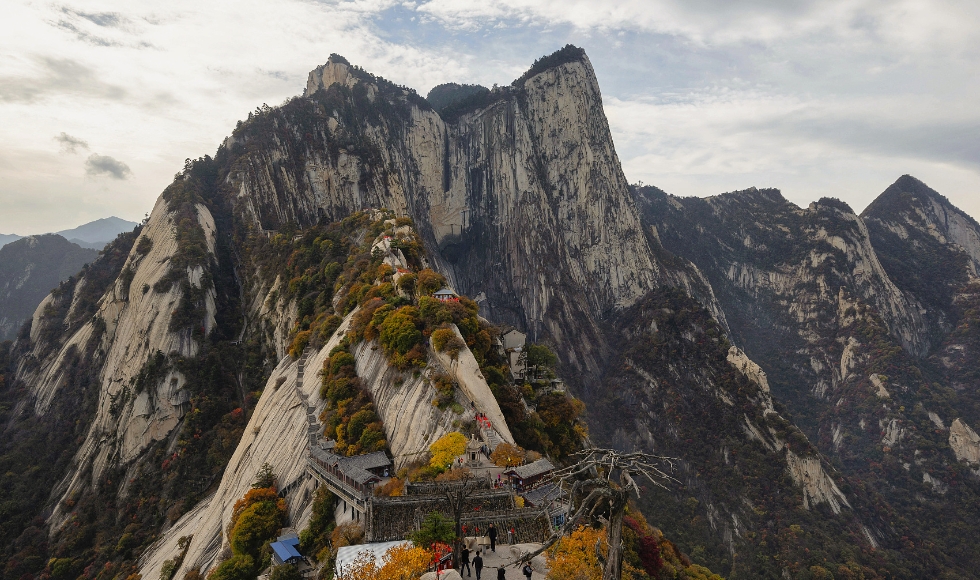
[(404, 402), (965, 442), (747, 367), (466, 371), (817, 486), (276, 434), (521, 200)]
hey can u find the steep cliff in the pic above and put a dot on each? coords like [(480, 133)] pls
[(527, 174), (863, 326)]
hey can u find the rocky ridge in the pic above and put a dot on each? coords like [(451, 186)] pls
[(854, 340)]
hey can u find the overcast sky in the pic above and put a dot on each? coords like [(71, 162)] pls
[(101, 101)]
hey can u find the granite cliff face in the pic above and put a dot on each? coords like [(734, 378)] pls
[(863, 325), (532, 173), (131, 325)]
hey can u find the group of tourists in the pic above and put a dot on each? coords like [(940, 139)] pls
[(482, 420), (477, 562)]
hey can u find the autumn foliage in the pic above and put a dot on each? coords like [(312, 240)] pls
[(400, 563), (574, 557), (507, 455), (446, 449)]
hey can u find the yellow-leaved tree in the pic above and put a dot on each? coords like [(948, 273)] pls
[(446, 449), (400, 563)]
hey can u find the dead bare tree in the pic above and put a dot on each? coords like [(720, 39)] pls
[(593, 478), (456, 493)]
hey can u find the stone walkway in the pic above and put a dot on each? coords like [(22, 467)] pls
[(503, 557)]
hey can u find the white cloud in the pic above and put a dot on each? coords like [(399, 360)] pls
[(155, 83), (703, 95)]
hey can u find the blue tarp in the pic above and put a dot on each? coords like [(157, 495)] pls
[(285, 552)]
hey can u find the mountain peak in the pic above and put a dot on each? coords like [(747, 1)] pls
[(567, 54), (335, 71), (898, 196)]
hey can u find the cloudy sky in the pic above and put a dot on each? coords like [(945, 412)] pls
[(102, 100)]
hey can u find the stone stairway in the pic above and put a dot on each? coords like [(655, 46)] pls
[(490, 437), (314, 430)]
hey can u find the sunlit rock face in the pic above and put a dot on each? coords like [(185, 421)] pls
[(131, 325)]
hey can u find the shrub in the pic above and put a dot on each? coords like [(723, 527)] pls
[(443, 384), (257, 525), (393, 488), (299, 343), (285, 572), (399, 331), (316, 536), (445, 340), (238, 567), (436, 528), (265, 477), (399, 563), (458, 474), (406, 283), (429, 282), (347, 534), (577, 555)]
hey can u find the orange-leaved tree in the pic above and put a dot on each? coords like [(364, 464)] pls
[(574, 556), (507, 455), (400, 563)]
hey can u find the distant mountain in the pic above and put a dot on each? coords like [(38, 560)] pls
[(97, 234), (7, 238), (94, 235), (29, 269)]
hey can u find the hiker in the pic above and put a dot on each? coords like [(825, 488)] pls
[(464, 562), (501, 574), (492, 532), (527, 570), (510, 536), (478, 564)]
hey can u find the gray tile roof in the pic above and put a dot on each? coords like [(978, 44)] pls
[(369, 461), (543, 494), (534, 469), (356, 467)]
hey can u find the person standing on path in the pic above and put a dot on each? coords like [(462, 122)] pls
[(464, 562), (501, 573), (492, 532), (527, 571), (478, 565)]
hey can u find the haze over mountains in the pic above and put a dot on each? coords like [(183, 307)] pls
[(94, 235), (813, 371), (33, 266)]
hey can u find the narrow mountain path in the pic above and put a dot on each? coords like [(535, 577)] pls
[(313, 423)]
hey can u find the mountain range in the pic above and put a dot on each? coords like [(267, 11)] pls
[(811, 372), (94, 235)]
